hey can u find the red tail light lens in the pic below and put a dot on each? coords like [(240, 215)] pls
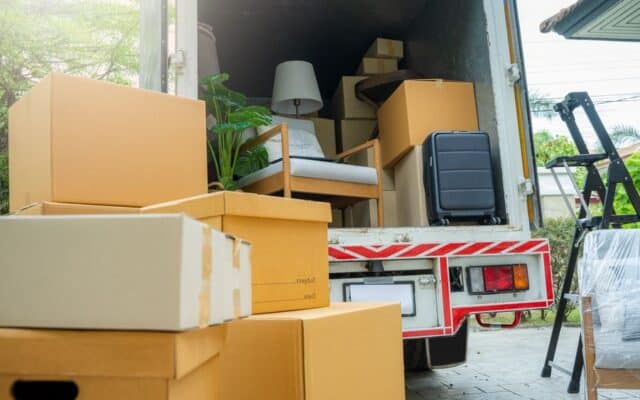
[(498, 279)]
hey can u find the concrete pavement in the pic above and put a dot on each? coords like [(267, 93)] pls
[(505, 364)]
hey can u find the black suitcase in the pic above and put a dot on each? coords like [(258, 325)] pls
[(458, 178)]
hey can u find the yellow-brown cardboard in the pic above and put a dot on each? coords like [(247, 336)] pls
[(116, 364), (78, 140), (326, 134), (353, 132), (345, 103), (386, 48), (374, 65), (289, 243), (345, 351), (411, 202), (418, 108), (53, 208)]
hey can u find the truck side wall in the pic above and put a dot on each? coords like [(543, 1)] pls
[(449, 40)]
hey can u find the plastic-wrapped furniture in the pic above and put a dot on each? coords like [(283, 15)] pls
[(609, 275), (297, 166)]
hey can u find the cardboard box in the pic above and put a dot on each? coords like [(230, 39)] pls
[(420, 107), (365, 158), (78, 140), (112, 365), (336, 219), (386, 48), (99, 268), (53, 208), (345, 103), (354, 132), (326, 134), (347, 351), (411, 198), (289, 243), (373, 66), (365, 213)]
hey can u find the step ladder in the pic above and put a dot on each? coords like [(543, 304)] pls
[(617, 174)]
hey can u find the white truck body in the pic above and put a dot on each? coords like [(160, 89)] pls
[(475, 41)]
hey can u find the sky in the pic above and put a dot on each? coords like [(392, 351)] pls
[(555, 66)]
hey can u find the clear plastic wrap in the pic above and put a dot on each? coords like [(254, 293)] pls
[(609, 280)]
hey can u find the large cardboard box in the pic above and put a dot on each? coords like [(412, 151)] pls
[(78, 140), (365, 213), (54, 208), (289, 243), (347, 351), (94, 272), (418, 108), (326, 134), (373, 66), (110, 365), (386, 48), (354, 132), (345, 103), (411, 198)]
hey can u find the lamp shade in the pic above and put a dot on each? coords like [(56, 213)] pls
[(295, 80)]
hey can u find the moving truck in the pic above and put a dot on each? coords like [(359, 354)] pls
[(442, 275)]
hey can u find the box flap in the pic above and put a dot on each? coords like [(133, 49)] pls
[(53, 208), (354, 352), (107, 353), (324, 312), (247, 205)]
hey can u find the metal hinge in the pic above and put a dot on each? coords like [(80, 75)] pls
[(177, 60), (525, 187), (513, 74)]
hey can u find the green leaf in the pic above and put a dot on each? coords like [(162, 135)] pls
[(252, 160)]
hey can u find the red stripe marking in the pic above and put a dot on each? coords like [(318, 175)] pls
[(526, 246), (446, 295), (525, 305), (339, 255), (499, 247), (446, 249), (418, 250), (384, 253), (548, 276), (473, 248), (544, 248), (420, 333)]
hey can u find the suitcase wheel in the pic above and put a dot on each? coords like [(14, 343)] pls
[(442, 222), (492, 220)]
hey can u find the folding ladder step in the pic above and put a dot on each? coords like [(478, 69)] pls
[(581, 160)]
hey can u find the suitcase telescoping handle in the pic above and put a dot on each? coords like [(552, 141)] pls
[(38, 390)]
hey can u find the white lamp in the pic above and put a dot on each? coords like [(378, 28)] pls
[(295, 89)]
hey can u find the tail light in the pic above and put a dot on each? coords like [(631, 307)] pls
[(498, 278)]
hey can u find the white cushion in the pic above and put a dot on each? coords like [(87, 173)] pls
[(302, 139), (613, 352), (318, 170)]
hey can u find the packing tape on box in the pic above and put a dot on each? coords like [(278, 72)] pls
[(236, 252), (205, 290), (237, 309)]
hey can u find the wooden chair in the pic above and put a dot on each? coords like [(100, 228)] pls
[(601, 378), (339, 193)]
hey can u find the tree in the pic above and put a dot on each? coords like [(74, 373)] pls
[(92, 38), (541, 105), (549, 146)]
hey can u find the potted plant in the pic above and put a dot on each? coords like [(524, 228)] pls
[(232, 117)]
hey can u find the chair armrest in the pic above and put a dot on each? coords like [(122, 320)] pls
[(263, 137), (357, 149)]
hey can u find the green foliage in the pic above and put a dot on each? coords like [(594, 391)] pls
[(4, 184), (232, 116), (560, 232), (549, 146), (621, 202), (97, 39), (541, 105)]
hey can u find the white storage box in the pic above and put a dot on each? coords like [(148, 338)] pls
[(135, 272)]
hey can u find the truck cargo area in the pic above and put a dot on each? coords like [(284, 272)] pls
[(445, 39)]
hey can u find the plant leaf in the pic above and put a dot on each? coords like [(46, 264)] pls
[(252, 160)]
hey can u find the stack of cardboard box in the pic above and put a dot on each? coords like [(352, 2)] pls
[(416, 109), (356, 123), (116, 235)]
